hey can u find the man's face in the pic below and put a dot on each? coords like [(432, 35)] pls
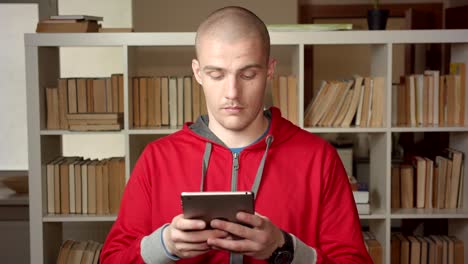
[(233, 76)]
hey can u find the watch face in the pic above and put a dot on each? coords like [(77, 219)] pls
[(283, 257)]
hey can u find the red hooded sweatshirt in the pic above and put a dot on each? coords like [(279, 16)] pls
[(304, 190)]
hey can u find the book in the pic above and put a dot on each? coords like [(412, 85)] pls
[(121, 92), (395, 187), (406, 183), (76, 252), (415, 250), (77, 27), (308, 27), (196, 96), (457, 161), (64, 188), (378, 102), (355, 101), (115, 92), (292, 101), (63, 102), (164, 101), (88, 127), (89, 252), (173, 101), (92, 193), (76, 17), (143, 101), (109, 96), (105, 186), (64, 251), (115, 30), (419, 164), (428, 202), (459, 69), (53, 115), (283, 96), (151, 102), (84, 186), (114, 186), (99, 95), (157, 101), (136, 102), (90, 96), (366, 103), (50, 183), (361, 197), (395, 245), (363, 209), (188, 99), (81, 92), (72, 96), (180, 101)]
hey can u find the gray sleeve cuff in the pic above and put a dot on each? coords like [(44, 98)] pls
[(153, 250), (303, 253)]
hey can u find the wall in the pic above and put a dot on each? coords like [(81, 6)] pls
[(182, 15), (15, 20)]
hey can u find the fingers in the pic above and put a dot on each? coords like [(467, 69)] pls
[(179, 236), (181, 223)]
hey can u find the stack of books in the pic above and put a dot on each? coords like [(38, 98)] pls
[(361, 195), (95, 121), (69, 23)]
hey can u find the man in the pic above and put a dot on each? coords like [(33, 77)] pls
[(305, 212)]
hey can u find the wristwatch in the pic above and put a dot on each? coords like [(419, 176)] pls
[(285, 253)]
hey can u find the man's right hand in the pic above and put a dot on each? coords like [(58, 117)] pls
[(187, 238)]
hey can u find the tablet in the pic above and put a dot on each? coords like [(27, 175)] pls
[(216, 205)]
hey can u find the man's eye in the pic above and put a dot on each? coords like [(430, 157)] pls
[(248, 75), (215, 75)]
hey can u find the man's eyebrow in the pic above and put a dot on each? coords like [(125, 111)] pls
[(249, 66), (256, 65), (212, 68)]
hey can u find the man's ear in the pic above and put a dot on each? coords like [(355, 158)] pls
[(196, 70), (271, 68)]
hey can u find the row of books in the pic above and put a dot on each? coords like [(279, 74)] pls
[(83, 95), (430, 99), (374, 247), (84, 186), (338, 103), (79, 252), (285, 96), (429, 183), (166, 101), (440, 249), (69, 23)]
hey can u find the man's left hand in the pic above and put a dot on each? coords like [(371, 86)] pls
[(258, 241)]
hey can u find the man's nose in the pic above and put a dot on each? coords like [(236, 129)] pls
[(232, 88)]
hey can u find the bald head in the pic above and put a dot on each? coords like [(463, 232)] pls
[(230, 24)]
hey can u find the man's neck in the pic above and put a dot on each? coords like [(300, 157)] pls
[(238, 139)]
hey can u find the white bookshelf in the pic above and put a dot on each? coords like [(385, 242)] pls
[(42, 69)]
